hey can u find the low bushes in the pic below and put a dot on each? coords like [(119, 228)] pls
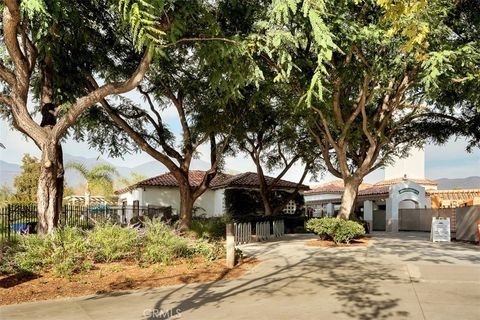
[(209, 228), (72, 250), (110, 243), (338, 230)]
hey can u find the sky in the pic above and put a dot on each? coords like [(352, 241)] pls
[(445, 161)]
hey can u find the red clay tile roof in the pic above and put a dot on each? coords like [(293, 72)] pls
[(335, 186), (168, 180), (398, 180), (250, 179), (374, 190), (221, 180)]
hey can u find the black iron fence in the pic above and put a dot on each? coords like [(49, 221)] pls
[(17, 219)]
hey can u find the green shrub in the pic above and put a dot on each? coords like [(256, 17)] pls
[(324, 227), (209, 228), (109, 242), (162, 245), (65, 252), (209, 250), (348, 231), (7, 254), (338, 230), (69, 251), (33, 253)]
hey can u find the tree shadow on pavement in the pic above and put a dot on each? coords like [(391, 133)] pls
[(354, 285)]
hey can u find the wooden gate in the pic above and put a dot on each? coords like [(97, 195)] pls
[(421, 219), (379, 220)]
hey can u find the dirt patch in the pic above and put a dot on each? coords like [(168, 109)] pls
[(361, 242), (111, 277)]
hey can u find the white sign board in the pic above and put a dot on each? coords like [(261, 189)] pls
[(440, 229)]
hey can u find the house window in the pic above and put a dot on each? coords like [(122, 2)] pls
[(290, 207)]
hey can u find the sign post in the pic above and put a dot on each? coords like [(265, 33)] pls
[(440, 230)]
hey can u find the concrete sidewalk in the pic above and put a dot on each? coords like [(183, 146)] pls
[(401, 276)]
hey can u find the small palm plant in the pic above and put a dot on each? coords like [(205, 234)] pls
[(101, 175)]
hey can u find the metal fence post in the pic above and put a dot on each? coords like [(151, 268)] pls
[(8, 222)]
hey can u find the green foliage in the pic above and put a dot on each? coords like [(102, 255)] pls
[(32, 254), (70, 250), (338, 230), (209, 228), (26, 183), (243, 202), (109, 242), (134, 178), (142, 17), (7, 254), (162, 245), (209, 250), (6, 194), (65, 252), (99, 179)]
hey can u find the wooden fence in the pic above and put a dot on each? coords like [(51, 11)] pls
[(242, 232), (263, 231), (421, 219)]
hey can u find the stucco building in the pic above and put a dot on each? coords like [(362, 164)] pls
[(163, 190)]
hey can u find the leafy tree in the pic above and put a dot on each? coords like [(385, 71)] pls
[(26, 183), (97, 178), (6, 193), (197, 77), (43, 51), (272, 133), (367, 73), (134, 178)]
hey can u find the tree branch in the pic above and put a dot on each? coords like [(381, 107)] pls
[(99, 94)]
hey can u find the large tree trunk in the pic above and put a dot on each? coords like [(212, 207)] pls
[(60, 183), (349, 196), (48, 191), (266, 203), (186, 207)]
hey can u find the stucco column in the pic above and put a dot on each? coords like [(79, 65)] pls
[(392, 215), (330, 209), (368, 213)]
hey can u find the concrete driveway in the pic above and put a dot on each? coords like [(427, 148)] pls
[(401, 276)]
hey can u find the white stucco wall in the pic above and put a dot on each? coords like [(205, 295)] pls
[(219, 202), (207, 202), (210, 201), (318, 197), (162, 197), (413, 166)]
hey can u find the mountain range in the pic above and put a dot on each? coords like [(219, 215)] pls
[(8, 171)]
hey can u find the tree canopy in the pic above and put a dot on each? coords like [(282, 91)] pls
[(369, 74)]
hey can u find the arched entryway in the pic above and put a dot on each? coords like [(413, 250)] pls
[(404, 195)]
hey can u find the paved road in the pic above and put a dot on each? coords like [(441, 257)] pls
[(397, 277)]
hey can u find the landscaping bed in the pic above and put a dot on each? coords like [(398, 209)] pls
[(105, 278), (360, 242), (107, 258)]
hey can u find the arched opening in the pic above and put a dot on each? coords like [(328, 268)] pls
[(408, 204)]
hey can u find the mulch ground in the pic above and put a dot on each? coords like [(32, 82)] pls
[(118, 276), (361, 242)]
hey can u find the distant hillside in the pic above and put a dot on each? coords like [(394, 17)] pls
[(8, 171), (464, 183)]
